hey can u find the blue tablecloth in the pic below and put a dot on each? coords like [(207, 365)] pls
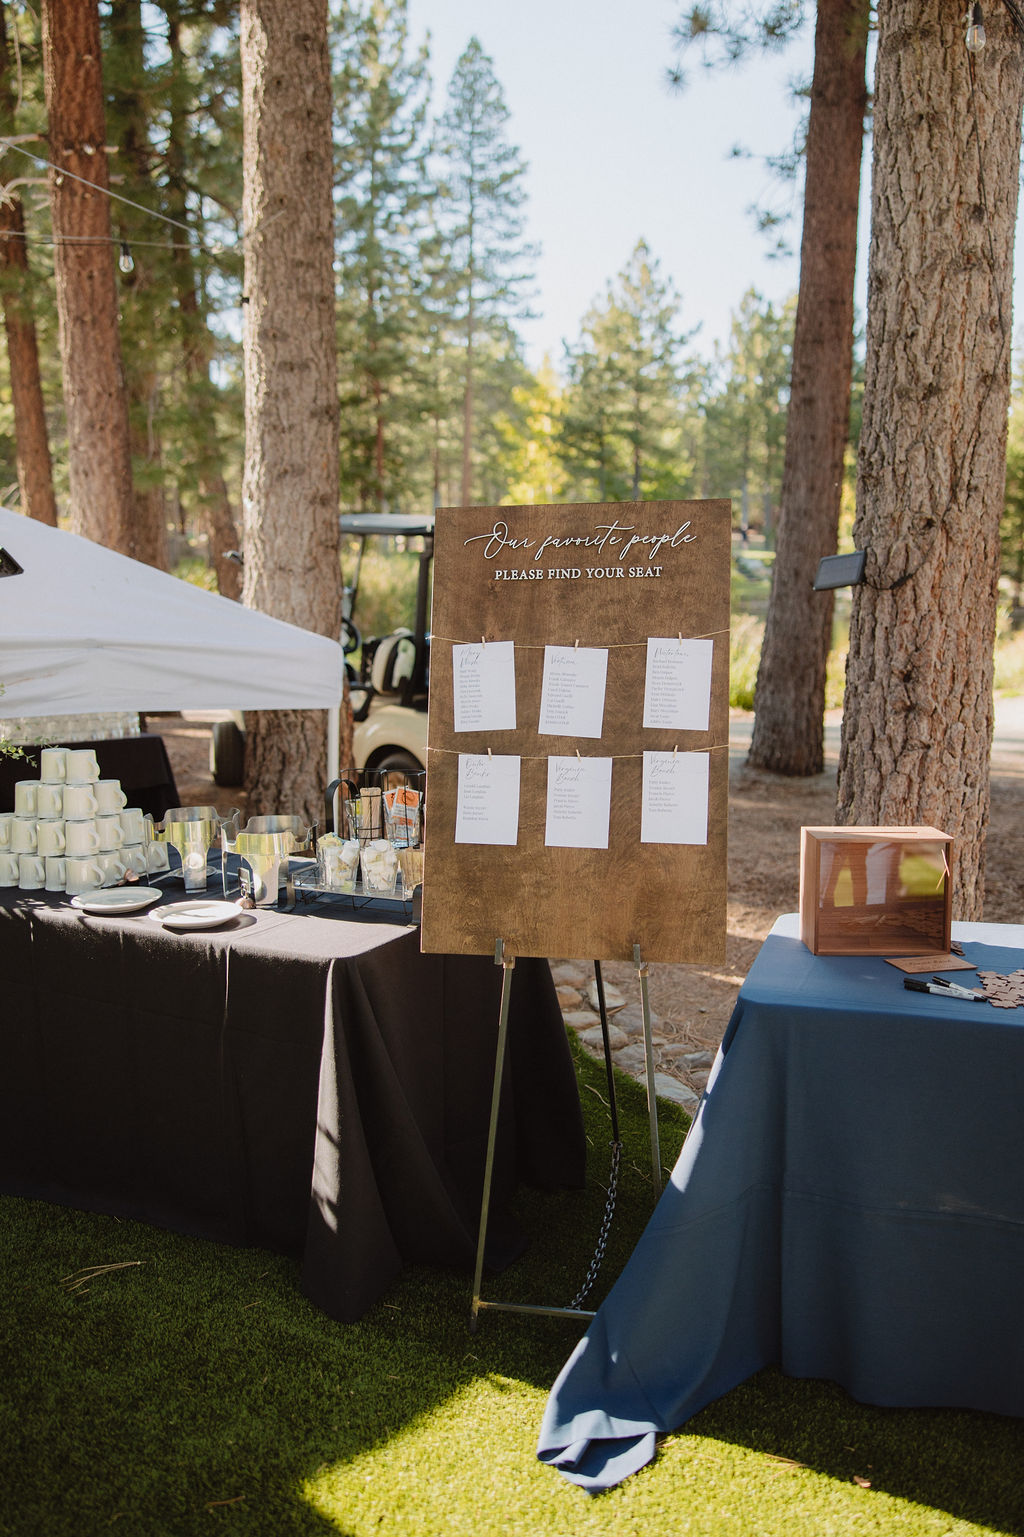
[(849, 1205)]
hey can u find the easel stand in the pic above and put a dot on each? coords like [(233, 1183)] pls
[(573, 1310)]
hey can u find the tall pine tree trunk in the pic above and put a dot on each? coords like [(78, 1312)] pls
[(149, 519), (35, 469), (466, 487), (290, 483), (216, 515), (789, 699), (918, 718), (95, 402)]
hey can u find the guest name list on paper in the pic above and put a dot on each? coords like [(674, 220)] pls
[(572, 691), (578, 803), (677, 684), (484, 679), (487, 805), (674, 806)]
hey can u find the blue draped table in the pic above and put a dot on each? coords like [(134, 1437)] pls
[(849, 1205)]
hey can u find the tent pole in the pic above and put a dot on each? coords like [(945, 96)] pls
[(333, 743)]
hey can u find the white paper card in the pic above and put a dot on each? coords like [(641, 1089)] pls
[(674, 805), (487, 809), (484, 686), (579, 803), (572, 693), (677, 687)]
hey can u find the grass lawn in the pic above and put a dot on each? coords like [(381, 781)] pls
[(192, 1389)]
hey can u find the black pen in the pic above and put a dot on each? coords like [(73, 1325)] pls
[(977, 994), (942, 989)]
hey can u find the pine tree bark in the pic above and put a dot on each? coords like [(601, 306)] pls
[(466, 483), (290, 483), (95, 401), (149, 518), (918, 716), (789, 699), (216, 514), (35, 468)]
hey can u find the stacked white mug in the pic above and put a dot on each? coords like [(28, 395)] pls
[(71, 830)]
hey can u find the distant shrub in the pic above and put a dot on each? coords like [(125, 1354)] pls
[(386, 599), (198, 571), (1009, 656), (745, 642), (745, 639), (835, 678)]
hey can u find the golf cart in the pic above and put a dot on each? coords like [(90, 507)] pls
[(388, 691)]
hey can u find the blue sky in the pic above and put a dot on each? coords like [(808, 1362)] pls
[(615, 156)]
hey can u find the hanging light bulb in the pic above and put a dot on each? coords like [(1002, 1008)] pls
[(124, 261), (975, 37)]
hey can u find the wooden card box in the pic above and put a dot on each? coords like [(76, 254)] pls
[(875, 890)]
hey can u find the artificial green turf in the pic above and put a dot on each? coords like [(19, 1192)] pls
[(195, 1390)]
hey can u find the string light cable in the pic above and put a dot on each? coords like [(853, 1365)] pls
[(124, 262)]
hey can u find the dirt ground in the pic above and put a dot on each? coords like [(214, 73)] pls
[(692, 1004)]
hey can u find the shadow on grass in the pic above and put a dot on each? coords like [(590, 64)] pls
[(187, 1381), (195, 1388), (962, 1462)]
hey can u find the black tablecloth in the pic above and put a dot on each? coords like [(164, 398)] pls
[(305, 1081), (139, 762)]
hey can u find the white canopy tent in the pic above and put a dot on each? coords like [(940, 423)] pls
[(83, 630)]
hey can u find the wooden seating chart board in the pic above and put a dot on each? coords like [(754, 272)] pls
[(562, 635)]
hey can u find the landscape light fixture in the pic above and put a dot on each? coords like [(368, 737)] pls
[(840, 571), (124, 261), (975, 36)]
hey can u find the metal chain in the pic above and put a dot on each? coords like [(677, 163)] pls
[(606, 1223)]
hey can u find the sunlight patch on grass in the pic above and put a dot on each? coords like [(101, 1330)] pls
[(469, 1469)]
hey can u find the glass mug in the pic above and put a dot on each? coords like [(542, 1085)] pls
[(110, 831), (31, 872), (50, 836), (81, 875), (53, 765), (133, 857), (49, 800), (157, 857), (82, 765), (81, 838), (23, 835), (112, 866), (134, 825), (109, 795), (25, 793), (79, 801), (55, 876)]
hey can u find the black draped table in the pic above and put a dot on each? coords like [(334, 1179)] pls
[(849, 1204), (305, 1081), (139, 762)]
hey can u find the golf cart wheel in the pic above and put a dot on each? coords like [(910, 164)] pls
[(227, 753), (400, 761)]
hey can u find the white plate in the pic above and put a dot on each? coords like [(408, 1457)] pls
[(117, 899), (201, 913)]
